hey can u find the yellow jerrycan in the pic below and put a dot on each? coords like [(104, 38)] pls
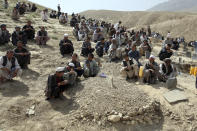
[(192, 70), (141, 71), (195, 71)]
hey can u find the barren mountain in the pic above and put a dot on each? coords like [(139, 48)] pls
[(179, 24), (176, 5)]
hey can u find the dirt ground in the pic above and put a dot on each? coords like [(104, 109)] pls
[(86, 105)]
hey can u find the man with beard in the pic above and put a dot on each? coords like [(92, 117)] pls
[(66, 46)]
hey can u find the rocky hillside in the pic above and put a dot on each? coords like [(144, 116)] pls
[(179, 24), (93, 104), (176, 5)]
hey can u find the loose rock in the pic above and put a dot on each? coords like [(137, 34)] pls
[(114, 118)]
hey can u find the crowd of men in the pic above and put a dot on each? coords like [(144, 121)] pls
[(21, 8), (63, 17), (112, 40), (24, 34), (119, 43), (19, 58)]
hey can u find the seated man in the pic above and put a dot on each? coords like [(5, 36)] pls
[(114, 51), (73, 21), (9, 67), (166, 52), (97, 35), (6, 4), (18, 4), (33, 8), (107, 45), (15, 14), (66, 46), (87, 48), (18, 35), (81, 34), (29, 31), (75, 31), (117, 25), (44, 15), (4, 35), (22, 55), (117, 36), (175, 44), (151, 70), (129, 46), (70, 75), (77, 65), (22, 9), (91, 68), (167, 70), (134, 54), (168, 41), (53, 14), (145, 47), (130, 69), (63, 19), (143, 37), (28, 7), (100, 47), (42, 36), (56, 84), (149, 31)]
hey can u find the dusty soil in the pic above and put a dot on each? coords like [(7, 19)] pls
[(88, 104)]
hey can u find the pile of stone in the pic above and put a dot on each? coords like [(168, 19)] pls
[(146, 115)]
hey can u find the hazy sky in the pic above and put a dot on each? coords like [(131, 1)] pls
[(82, 5)]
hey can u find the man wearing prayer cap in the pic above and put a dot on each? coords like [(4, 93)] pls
[(70, 74), (60, 69), (65, 35), (4, 35), (66, 46), (56, 84), (151, 70)]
